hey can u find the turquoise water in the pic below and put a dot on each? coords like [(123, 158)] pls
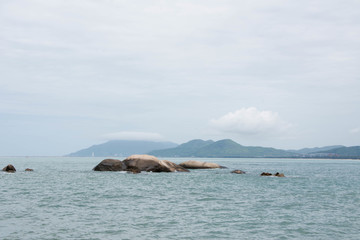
[(64, 199)]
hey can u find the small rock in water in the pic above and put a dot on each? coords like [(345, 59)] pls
[(29, 170), (9, 168), (238, 172), (265, 174), (279, 174), (269, 174)]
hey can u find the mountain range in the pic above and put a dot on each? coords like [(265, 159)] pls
[(225, 148), (121, 148), (222, 148), (315, 149), (346, 152)]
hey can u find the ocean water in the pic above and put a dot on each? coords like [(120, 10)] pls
[(64, 199)]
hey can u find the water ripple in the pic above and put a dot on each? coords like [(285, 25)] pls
[(64, 199)]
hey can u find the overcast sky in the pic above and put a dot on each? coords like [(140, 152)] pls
[(275, 73)]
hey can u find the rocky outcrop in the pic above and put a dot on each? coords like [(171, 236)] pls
[(199, 165), (270, 174), (29, 170), (238, 172), (110, 165), (9, 168), (138, 163)]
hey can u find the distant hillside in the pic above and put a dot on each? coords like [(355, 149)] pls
[(342, 152), (315, 149), (183, 150), (200, 148), (121, 148), (222, 148)]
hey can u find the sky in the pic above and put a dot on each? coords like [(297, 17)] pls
[(273, 73)]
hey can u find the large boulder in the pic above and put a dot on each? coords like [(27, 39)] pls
[(110, 165), (150, 163), (9, 168), (192, 164)]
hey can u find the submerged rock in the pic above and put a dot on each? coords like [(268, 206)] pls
[(110, 165), (191, 164), (9, 168), (29, 170), (238, 172)]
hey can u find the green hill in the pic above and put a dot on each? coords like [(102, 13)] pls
[(222, 148), (200, 148), (184, 150), (315, 149), (343, 152)]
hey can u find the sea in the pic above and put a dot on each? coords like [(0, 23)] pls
[(64, 199)]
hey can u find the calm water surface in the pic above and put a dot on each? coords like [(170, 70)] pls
[(64, 199)]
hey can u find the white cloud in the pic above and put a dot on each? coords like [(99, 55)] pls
[(145, 136), (355, 130), (250, 121)]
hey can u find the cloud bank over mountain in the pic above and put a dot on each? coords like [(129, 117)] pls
[(251, 121)]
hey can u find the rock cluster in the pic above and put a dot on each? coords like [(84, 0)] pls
[(139, 163)]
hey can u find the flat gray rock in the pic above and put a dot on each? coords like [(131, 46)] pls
[(192, 164)]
